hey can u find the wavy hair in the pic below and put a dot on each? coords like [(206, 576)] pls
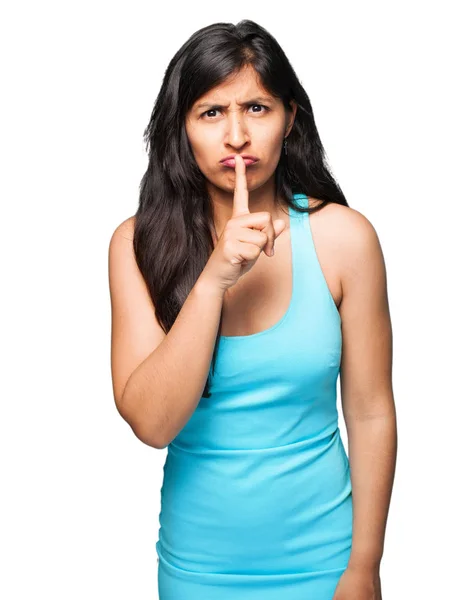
[(174, 219)]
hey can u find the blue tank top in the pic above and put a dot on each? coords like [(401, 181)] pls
[(257, 483)]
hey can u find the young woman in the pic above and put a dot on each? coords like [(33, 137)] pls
[(242, 287)]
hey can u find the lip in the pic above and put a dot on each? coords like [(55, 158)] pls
[(229, 161)]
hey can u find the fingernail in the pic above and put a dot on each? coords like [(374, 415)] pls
[(272, 251)]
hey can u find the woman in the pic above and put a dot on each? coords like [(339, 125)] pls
[(241, 288)]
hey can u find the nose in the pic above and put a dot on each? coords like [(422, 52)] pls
[(237, 133)]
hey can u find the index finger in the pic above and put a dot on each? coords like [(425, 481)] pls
[(240, 198)]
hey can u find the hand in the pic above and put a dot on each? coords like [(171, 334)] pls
[(357, 583), (244, 236)]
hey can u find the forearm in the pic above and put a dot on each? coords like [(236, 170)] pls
[(372, 459), (162, 393)]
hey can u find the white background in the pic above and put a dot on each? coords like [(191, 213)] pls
[(392, 88)]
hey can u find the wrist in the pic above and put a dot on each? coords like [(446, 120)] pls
[(364, 562), (206, 287)]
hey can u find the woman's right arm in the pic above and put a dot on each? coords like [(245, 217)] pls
[(158, 378)]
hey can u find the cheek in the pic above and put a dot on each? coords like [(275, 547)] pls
[(199, 152), (272, 141), (204, 152), (204, 147), (274, 145), (275, 139)]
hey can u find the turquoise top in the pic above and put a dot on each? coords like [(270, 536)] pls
[(256, 499)]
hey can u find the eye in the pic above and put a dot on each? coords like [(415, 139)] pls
[(217, 108), (262, 106), (209, 111)]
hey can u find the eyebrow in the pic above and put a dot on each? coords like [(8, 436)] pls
[(257, 100)]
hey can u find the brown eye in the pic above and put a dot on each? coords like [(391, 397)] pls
[(208, 111), (212, 110)]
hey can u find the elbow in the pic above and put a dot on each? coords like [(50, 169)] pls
[(141, 427), (149, 438), (147, 435)]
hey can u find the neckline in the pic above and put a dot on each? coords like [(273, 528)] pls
[(292, 232)]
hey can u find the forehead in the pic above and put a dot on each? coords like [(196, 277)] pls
[(240, 88)]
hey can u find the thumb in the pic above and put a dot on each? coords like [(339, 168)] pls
[(279, 226)]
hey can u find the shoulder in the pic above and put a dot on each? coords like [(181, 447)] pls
[(346, 221), (349, 234), (124, 230), (121, 249), (122, 237)]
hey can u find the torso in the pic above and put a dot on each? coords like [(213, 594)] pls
[(261, 297)]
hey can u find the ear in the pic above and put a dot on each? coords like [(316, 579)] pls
[(291, 117)]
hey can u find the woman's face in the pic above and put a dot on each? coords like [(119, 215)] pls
[(249, 121)]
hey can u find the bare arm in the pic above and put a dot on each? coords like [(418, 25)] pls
[(366, 386), (158, 378)]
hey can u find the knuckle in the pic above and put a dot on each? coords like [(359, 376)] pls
[(228, 247), (228, 229)]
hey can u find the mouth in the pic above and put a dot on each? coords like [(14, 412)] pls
[(230, 162)]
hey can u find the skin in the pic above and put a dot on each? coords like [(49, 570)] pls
[(353, 265), (239, 129), (352, 262)]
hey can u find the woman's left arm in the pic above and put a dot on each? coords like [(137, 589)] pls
[(366, 388)]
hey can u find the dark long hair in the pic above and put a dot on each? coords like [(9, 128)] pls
[(174, 220)]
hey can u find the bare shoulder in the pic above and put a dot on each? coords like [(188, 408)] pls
[(124, 231), (121, 243), (123, 267), (348, 234), (345, 219)]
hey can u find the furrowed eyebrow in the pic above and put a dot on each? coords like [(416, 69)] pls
[(257, 100)]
